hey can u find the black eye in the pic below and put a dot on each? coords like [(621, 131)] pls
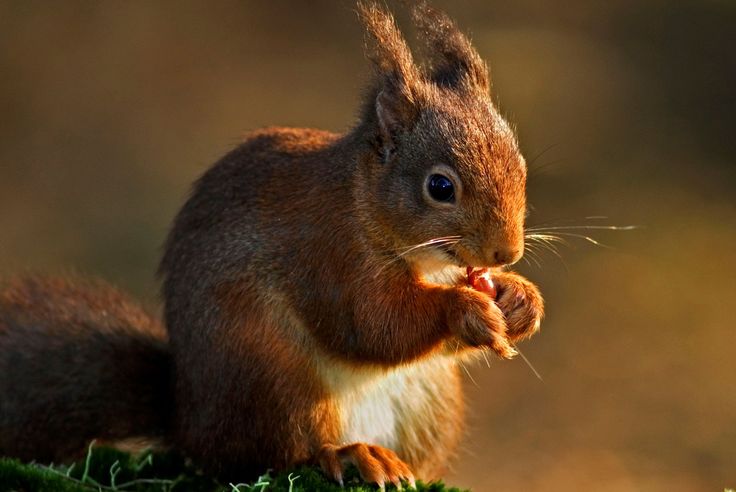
[(441, 188)]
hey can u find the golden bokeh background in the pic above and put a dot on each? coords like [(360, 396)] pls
[(109, 110)]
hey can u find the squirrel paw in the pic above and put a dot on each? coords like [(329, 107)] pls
[(521, 304), (478, 322), (376, 464)]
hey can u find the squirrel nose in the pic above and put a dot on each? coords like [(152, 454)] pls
[(507, 256)]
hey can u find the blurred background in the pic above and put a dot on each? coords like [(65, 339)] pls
[(625, 110)]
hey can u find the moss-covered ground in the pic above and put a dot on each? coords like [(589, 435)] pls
[(106, 469)]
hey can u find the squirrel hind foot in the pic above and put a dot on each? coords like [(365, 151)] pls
[(375, 464)]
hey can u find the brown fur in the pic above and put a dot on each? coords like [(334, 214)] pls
[(297, 329), (78, 361)]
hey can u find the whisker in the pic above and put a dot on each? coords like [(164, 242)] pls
[(431, 240), (569, 234), (437, 241), (467, 372), (548, 245), (549, 240), (485, 357), (557, 222), (586, 238), (533, 255), (460, 362), (537, 258), (534, 168), (529, 248), (535, 171), (544, 237), (534, 159), (434, 241), (532, 246), (589, 227), (536, 373)]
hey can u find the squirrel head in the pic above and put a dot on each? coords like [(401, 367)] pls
[(443, 162)]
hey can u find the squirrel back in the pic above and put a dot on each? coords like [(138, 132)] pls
[(78, 361)]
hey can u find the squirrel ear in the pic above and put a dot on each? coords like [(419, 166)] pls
[(398, 79), (395, 112), (456, 63)]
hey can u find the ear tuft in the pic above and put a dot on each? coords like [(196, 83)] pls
[(456, 63), (386, 46)]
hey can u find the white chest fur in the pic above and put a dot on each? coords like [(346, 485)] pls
[(383, 406), (369, 415)]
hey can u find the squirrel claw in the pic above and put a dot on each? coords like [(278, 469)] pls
[(374, 463), (502, 347)]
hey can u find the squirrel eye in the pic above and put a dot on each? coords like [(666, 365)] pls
[(441, 188)]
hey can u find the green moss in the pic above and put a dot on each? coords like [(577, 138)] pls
[(107, 469)]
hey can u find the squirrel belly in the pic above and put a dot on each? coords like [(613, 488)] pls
[(416, 410)]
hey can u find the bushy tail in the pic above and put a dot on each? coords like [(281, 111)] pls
[(78, 361)]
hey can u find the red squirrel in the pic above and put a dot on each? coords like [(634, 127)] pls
[(316, 288)]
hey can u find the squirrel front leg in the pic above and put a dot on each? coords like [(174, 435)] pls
[(398, 321)]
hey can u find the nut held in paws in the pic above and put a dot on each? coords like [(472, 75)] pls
[(480, 279)]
